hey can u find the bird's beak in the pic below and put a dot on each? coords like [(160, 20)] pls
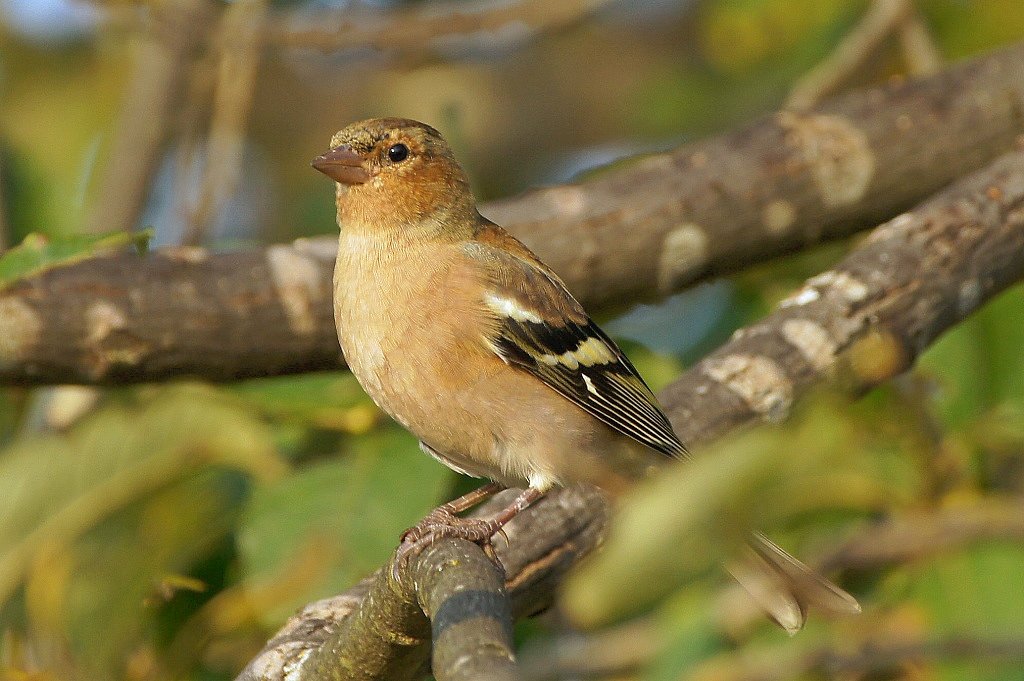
[(343, 165)]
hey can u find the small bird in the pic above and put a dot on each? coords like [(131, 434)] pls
[(462, 335)]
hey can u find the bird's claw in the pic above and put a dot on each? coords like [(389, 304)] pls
[(440, 524)]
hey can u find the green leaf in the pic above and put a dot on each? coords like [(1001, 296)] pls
[(329, 400), (115, 572), (332, 523), (972, 594), (37, 253), (977, 364), (55, 488), (683, 523)]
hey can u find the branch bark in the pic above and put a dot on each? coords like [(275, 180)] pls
[(716, 206), (467, 615), (867, 319), (862, 322)]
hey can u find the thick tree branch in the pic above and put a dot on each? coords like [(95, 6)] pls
[(868, 318), (774, 186), (863, 321)]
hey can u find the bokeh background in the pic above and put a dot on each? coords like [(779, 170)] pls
[(165, 531)]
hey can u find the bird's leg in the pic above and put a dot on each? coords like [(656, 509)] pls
[(442, 522), (446, 513), (520, 503)]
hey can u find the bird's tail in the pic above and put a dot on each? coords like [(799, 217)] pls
[(784, 587)]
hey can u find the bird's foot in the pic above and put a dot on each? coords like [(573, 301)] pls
[(441, 523)]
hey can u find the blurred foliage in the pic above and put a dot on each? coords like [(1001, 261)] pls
[(166, 532), (340, 517)]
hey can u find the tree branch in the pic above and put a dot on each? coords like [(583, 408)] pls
[(441, 27), (467, 615), (378, 629), (863, 321), (238, 49), (867, 319), (716, 206), (162, 55), (875, 653), (882, 19), (911, 536)]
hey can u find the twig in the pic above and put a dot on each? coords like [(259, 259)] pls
[(240, 45), (919, 49), (913, 536), (441, 27), (619, 652), (146, 112), (901, 539), (772, 187), (881, 20), (5, 234), (873, 654)]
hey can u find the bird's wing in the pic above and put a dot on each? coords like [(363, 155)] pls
[(539, 327)]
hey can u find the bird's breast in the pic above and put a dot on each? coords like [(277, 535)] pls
[(397, 320), (365, 313)]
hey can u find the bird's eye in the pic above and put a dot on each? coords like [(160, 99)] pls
[(398, 153)]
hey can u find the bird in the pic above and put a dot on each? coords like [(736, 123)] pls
[(463, 336)]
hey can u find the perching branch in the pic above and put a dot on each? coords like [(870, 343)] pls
[(716, 206), (861, 322), (386, 635), (467, 613)]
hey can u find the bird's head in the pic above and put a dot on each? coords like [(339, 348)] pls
[(395, 174)]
